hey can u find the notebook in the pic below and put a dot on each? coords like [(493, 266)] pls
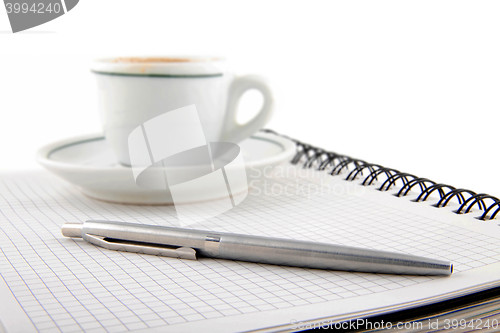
[(51, 283), (480, 315)]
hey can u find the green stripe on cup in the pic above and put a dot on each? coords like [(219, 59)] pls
[(160, 75)]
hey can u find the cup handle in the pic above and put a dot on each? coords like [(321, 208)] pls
[(235, 132)]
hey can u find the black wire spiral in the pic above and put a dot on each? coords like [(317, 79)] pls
[(313, 157)]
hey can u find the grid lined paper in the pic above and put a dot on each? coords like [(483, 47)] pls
[(69, 285)]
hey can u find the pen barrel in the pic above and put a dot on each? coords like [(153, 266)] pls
[(277, 251), (324, 256)]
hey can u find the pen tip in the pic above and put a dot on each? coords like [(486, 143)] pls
[(72, 229)]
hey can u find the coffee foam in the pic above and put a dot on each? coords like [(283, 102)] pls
[(160, 65), (136, 60)]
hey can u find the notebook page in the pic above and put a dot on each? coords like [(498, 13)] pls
[(64, 284)]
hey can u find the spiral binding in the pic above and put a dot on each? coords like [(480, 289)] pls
[(403, 183)]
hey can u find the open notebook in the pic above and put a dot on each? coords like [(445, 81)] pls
[(52, 283)]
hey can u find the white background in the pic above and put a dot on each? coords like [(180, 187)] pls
[(414, 85)]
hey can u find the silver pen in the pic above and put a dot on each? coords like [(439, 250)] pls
[(188, 243)]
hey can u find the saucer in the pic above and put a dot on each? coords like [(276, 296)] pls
[(88, 162)]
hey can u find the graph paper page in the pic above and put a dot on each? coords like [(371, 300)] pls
[(62, 284)]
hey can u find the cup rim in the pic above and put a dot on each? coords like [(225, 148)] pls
[(160, 66)]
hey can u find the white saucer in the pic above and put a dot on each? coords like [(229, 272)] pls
[(88, 163)]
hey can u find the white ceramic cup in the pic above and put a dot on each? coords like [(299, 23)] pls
[(134, 90)]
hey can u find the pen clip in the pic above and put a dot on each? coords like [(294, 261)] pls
[(140, 247)]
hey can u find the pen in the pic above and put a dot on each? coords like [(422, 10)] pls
[(189, 243)]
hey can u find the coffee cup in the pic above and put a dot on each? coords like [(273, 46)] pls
[(133, 90)]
